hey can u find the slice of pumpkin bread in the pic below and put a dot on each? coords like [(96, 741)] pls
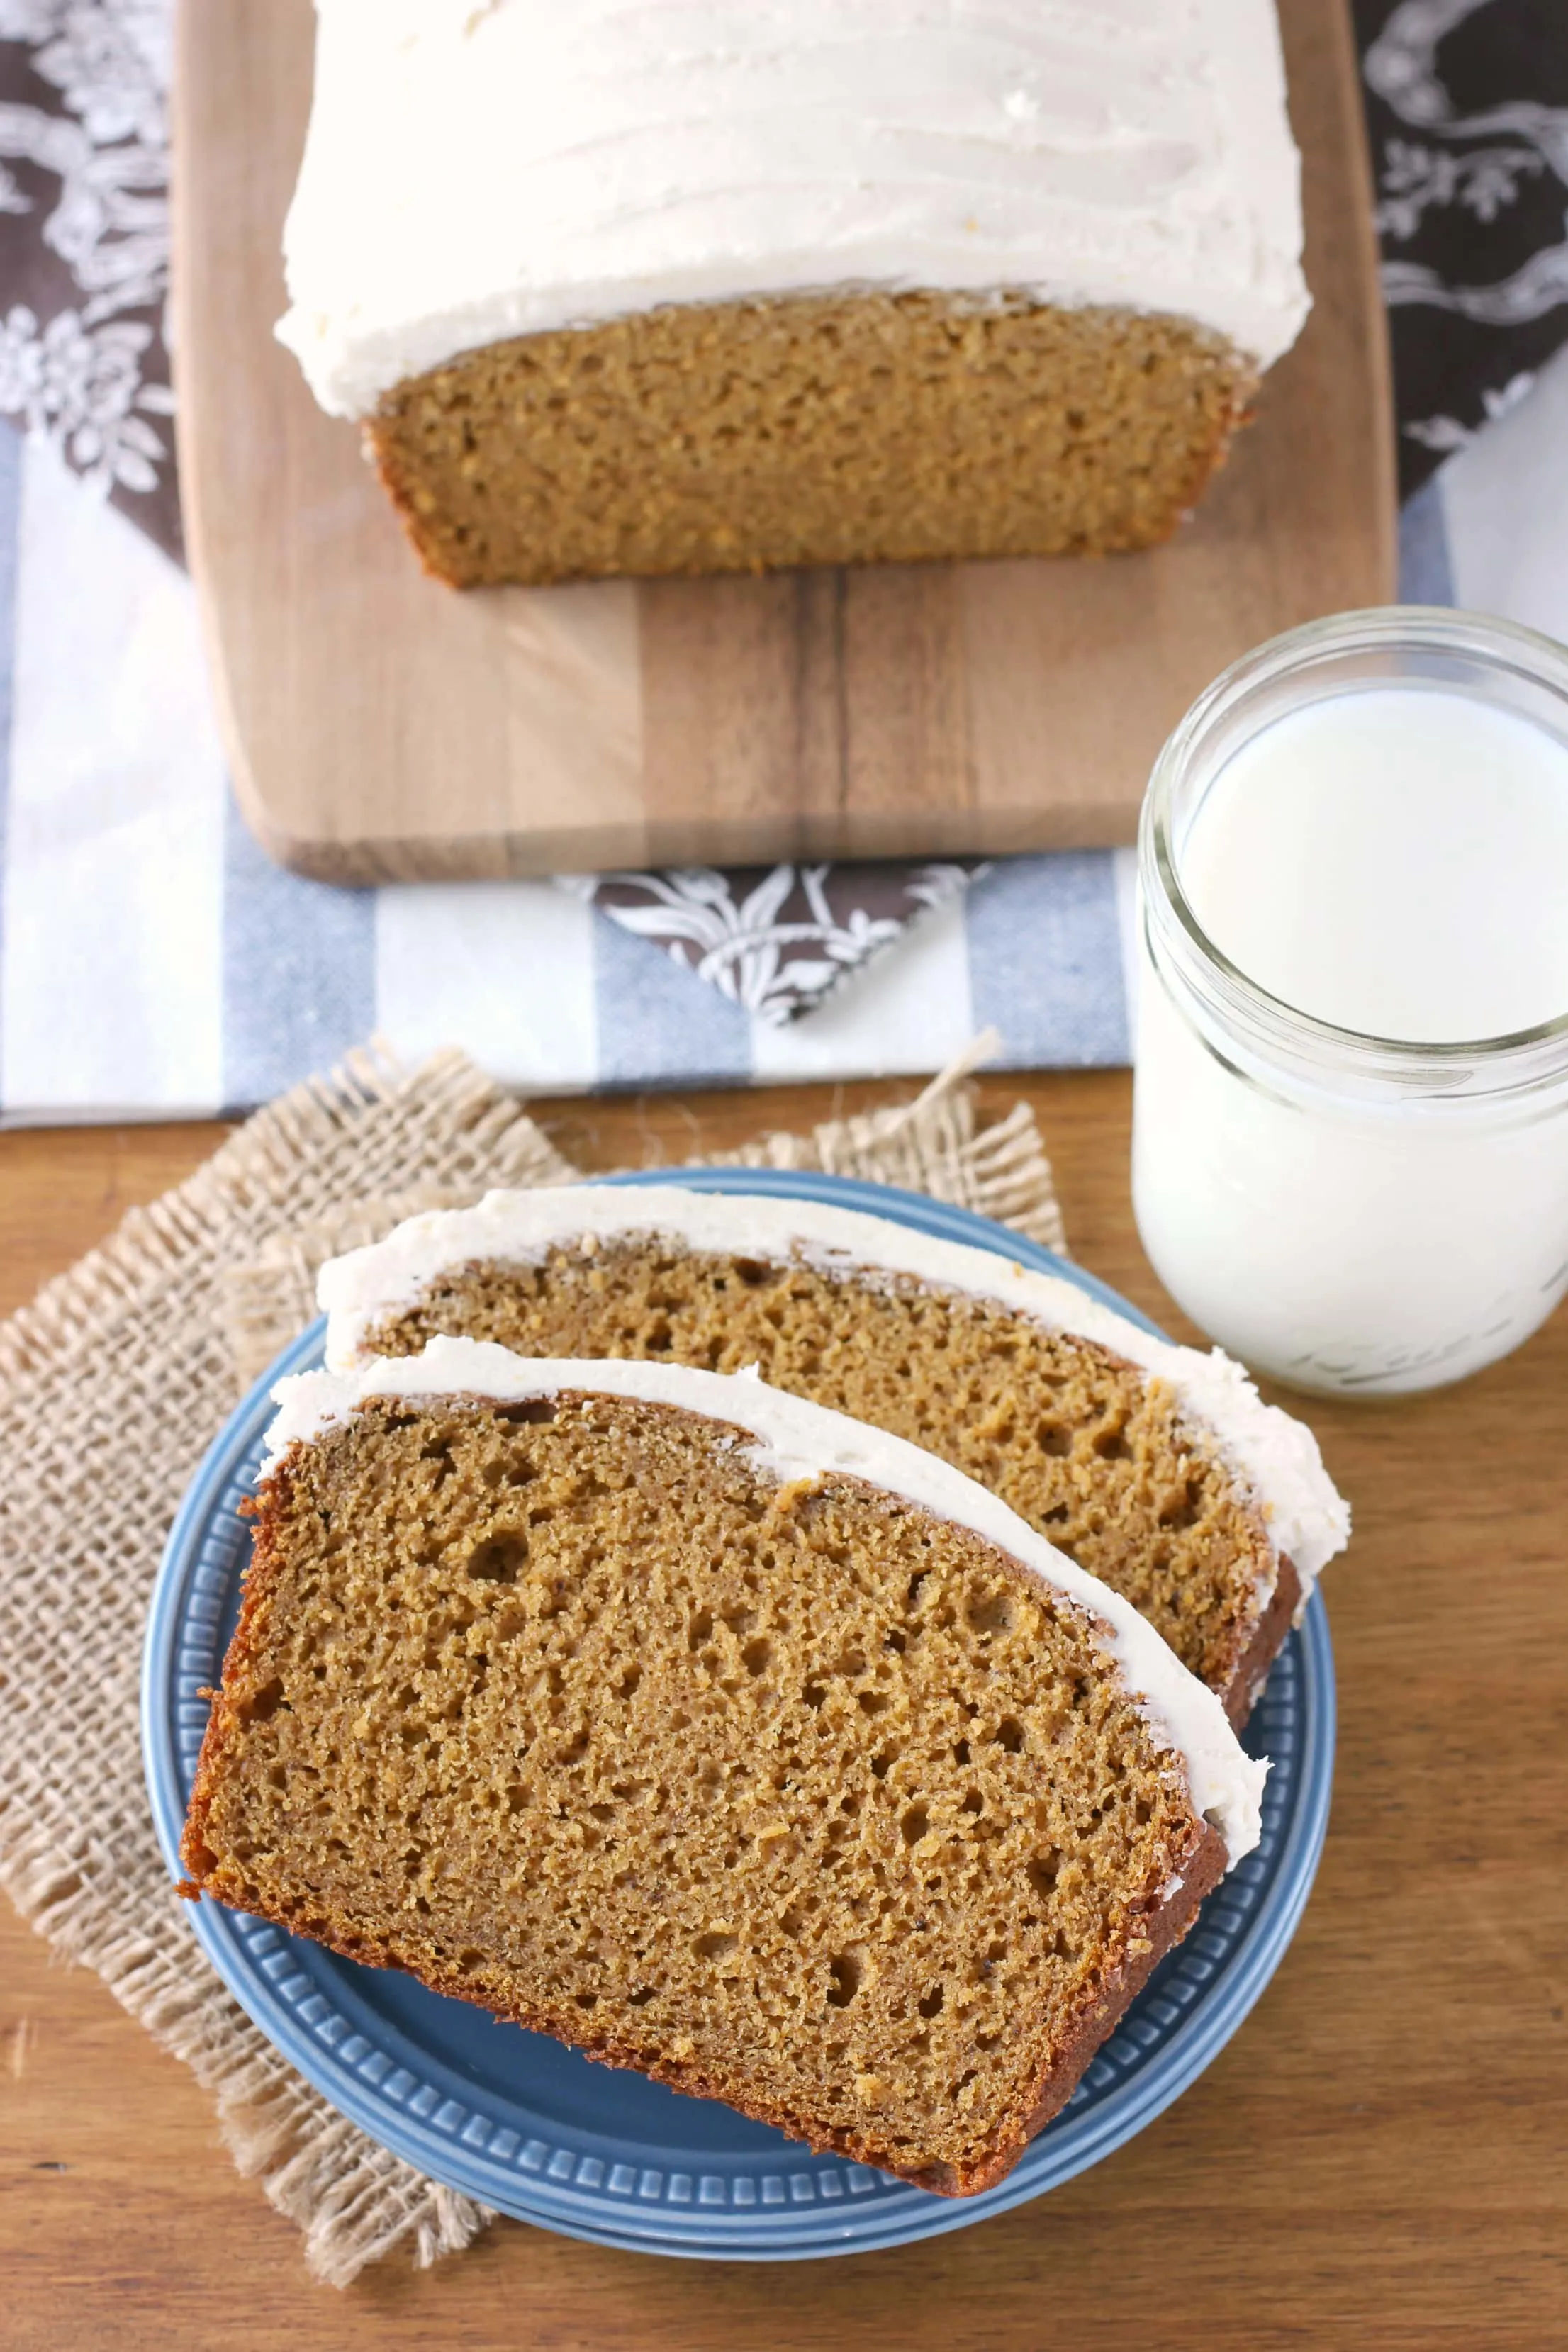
[(1156, 1468), (712, 1732)]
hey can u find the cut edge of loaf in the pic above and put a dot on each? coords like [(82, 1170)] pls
[(1193, 1870), (844, 427)]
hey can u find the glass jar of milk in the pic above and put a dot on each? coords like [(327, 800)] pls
[(1349, 1157)]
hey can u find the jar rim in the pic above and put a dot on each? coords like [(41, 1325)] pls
[(1517, 1059)]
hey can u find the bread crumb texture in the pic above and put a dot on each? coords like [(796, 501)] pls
[(1084, 1446), (847, 427), (796, 1797)]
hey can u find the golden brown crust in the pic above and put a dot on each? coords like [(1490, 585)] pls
[(811, 429), (1274, 1618), (218, 1740)]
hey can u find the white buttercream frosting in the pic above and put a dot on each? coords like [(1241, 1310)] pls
[(1274, 1458), (797, 1441), (475, 171)]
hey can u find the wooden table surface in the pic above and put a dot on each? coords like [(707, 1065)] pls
[(1377, 2160)]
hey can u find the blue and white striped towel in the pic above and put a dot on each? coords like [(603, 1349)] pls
[(152, 964)]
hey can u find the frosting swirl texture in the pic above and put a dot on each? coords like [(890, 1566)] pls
[(479, 169)]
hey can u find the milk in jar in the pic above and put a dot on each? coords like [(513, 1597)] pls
[(1350, 1128)]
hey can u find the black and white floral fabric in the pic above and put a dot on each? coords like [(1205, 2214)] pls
[(84, 243), (1468, 114), (774, 939)]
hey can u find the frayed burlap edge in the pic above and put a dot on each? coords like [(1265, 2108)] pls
[(110, 1386), (934, 1145)]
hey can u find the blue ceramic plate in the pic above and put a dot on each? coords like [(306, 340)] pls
[(539, 2132)]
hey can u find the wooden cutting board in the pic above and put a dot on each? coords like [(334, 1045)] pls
[(383, 727)]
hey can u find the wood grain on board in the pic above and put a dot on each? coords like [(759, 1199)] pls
[(1373, 2164), (383, 727)]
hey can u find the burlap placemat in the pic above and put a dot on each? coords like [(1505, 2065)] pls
[(111, 1386)]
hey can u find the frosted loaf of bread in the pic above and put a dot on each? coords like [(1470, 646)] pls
[(622, 289)]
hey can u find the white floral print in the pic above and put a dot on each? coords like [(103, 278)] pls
[(746, 942), (80, 378)]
